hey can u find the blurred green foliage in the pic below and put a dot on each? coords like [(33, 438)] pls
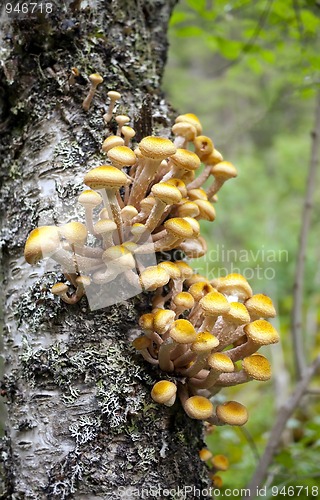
[(250, 71)]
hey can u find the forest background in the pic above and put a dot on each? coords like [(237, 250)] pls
[(251, 72)]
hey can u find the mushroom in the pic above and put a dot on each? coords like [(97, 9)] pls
[(198, 407), (187, 209), (210, 161), (142, 345), (219, 363), (110, 179), (177, 230), (192, 119), (220, 462), (206, 210), (202, 346), (213, 305), (195, 248), (121, 156), (128, 133), (105, 228), (228, 330), (180, 162), (235, 286), (164, 392), (111, 142), (205, 454), (231, 413), (260, 306), (121, 121), (153, 150), (255, 367), (114, 97), (221, 172), (181, 332), (181, 302), (95, 80), (89, 199), (184, 132), (258, 333), (164, 194), (153, 277)]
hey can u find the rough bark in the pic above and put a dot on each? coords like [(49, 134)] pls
[(81, 423)]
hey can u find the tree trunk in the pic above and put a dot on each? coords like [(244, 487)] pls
[(81, 422)]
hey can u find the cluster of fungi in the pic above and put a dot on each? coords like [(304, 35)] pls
[(202, 335)]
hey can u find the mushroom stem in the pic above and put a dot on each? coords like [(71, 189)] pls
[(111, 201), (197, 365), (201, 179), (75, 263), (95, 80), (164, 353), (141, 183)]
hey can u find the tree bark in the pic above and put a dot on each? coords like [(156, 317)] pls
[(81, 423)]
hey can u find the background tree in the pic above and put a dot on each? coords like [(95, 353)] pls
[(81, 422)]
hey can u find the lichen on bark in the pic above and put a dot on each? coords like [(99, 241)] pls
[(81, 422)]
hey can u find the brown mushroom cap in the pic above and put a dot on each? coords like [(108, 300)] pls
[(204, 342), (179, 227), (41, 242), (154, 277), (260, 305), (257, 367), (198, 407), (105, 177), (220, 362), (190, 118), (185, 129), (214, 303), (220, 462), (141, 343), (224, 170), (200, 289), (172, 269), (95, 78), (232, 413), (206, 209), (237, 314), (74, 232), (183, 299), (261, 332), (89, 198), (104, 226), (203, 147), (163, 320), (178, 183), (59, 289), (183, 332), (163, 392), (121, 156), (111, 142), (156, 148), (233, 284), (185, 159), (166, 192)]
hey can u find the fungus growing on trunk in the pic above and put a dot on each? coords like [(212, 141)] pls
[(95, 80)]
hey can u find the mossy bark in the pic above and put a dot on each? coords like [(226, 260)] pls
[(81, 423)]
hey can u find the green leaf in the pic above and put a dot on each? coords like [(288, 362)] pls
[(189, 31)]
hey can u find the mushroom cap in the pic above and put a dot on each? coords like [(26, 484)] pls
[(197, 194), (220, 462), (59, 288), (214, 158), (220, 362), (166, 193), (203, 146), (111, 142), (146, 322), (190, 118), (200, 289), (188, 209), (232, 413), (186, 270), (89, 198), (163, 392), (205, 454), (237, 314), (183, 332), (194, 248), (128, 212), (172, 269), (74, 232), (179, 227), (83, 280), (128, 131), (118, 258), (178, 183), (261, 332), (214, 304), (147, 203), (260, 305), (114, 95), (233, 284), (121, 156), (198, 407), (216, 481), (185, 129), (206, 209), (122, 120), (196, 278), (105, 177), (137, 228), (156, 148), (163, 320), (41, 242), (224, 170), (257, 367), (95, 78), (104, 226), (194, 224), (185, 159), (204, 342), (141, 343), (183, 299), (154, 277)]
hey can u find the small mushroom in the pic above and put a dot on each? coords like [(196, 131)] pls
[(114, 97), (95, 80), (164, 392)]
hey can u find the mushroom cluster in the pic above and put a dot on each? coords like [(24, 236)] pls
[(205, 336), (145, 198), (148, 198)]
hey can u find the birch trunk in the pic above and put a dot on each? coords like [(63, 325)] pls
[(80, 420)]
